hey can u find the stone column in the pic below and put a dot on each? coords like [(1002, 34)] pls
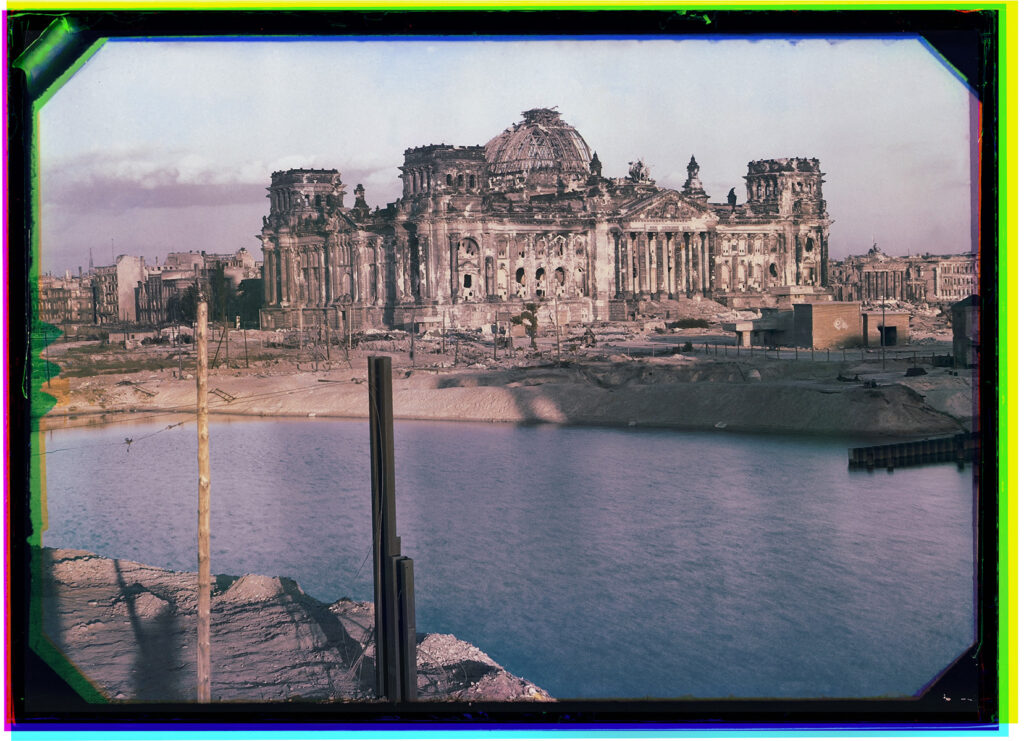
[(617, 246), (643, 257), (453, 246), (266, 276), (426, 271), (378, 273), (666, 248), (324, 275), (672, 261), (626, 241), (706, 263), (291, 263)]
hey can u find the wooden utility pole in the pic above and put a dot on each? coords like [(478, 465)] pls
[(495, 336), (245, 344), (203, 652)]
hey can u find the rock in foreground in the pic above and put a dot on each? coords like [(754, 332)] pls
[(131, 630)]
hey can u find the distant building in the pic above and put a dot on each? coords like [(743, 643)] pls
[(158, 297), (929, 278)]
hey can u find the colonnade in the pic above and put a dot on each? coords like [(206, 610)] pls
[(876, 284), (321, 275), (665, 264), (419, 179)]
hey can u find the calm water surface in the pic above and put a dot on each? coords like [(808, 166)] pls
[(595, 562)]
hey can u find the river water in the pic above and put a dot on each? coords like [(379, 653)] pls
[(595, 562)]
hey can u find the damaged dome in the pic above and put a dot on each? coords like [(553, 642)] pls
[(541, 142)]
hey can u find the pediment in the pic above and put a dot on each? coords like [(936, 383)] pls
[(667, 205)]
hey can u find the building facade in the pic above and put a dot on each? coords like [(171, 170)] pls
[(915, 278), (482, 230)]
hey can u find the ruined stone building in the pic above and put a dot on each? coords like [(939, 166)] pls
[(915, 278), (66, 300), (481, 230), (158, 295)]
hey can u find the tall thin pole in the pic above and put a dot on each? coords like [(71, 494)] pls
[(883, 334), (495, 335), (203, 652)]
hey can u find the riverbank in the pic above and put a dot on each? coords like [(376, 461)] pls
[(684, 390), (130, 630)]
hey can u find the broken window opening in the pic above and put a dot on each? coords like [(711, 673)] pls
[(467, 281)]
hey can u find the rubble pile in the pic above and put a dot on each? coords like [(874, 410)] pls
[(130, 630)]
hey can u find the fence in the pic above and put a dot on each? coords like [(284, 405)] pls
[(827, 355)]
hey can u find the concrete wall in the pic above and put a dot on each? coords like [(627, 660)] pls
[(872, 323), (827, 324), (965, 317)]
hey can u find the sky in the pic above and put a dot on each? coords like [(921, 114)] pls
[(163, 146)]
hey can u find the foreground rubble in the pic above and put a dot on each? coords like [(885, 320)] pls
[(130, 629)]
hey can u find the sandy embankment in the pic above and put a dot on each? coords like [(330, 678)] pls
[(130, 629), (685, 393)]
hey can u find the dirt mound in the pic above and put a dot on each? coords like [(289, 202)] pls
[(130, 630)]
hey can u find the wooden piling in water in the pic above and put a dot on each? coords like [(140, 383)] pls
[(957, 449), (395, 622)]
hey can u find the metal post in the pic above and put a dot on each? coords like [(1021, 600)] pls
[(495, 336), (203, 652), (245, 344), (395, 622), (883, 335)]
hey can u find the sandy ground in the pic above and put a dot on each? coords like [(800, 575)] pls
[(130, 630), (595, 386)]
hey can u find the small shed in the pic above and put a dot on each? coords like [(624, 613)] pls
[(966, 317), (826, 324), (894, 326)]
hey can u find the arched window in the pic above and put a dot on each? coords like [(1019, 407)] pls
[(448, 180), (472, 181), (521, 277), (467, 281), (462, 181)]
